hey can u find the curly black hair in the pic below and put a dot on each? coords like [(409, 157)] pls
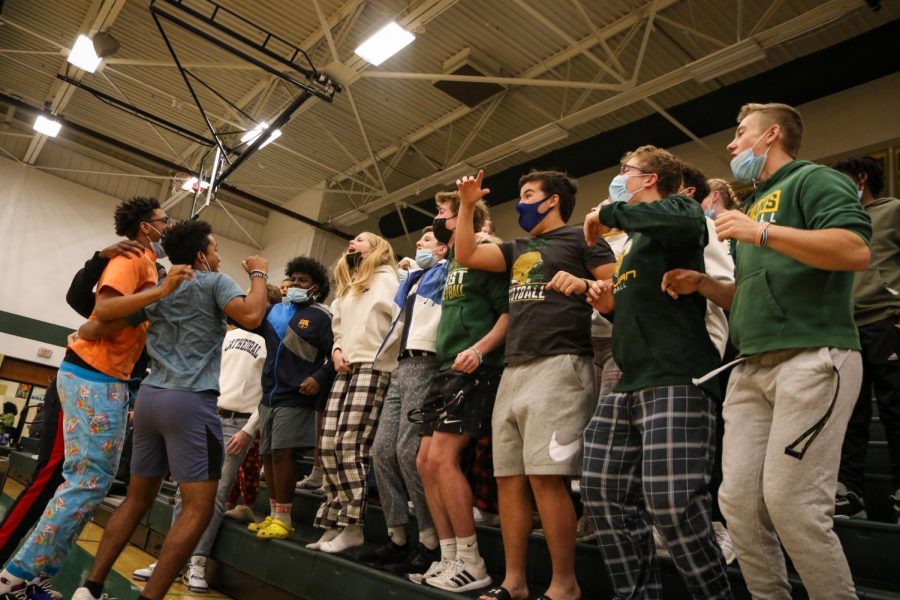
[(130, 214), (313, 268), (184, 240), (857, 165)]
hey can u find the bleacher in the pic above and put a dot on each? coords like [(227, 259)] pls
[(247, 568)]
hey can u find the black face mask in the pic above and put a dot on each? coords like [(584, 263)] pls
[(440, 231), (354, 259)]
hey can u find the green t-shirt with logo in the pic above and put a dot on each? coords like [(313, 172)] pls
[(472, 302), (781, 303), (657, 340)]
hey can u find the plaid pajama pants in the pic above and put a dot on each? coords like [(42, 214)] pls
[(351, 416), (648, 458)]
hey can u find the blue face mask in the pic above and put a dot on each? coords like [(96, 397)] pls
[(746, 166), (618, 190), (296, 295), (425, 258), (529, 216), (710, 213), (403, 274), (157, 247)]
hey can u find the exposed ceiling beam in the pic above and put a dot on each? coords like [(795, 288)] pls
[(556, 83)]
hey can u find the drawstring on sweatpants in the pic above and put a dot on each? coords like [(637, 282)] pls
[(810, 434)]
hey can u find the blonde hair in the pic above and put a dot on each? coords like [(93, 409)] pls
[(730, 201), (480, 212), (380, 253)]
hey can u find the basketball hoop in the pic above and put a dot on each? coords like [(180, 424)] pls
[(180, 181)]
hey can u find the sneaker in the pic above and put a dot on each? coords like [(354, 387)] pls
[(41, 588), (585, 531), (143, 574), (19, 593), (254, 527), (895, 500), (388, 553), (724, 540), (313, 486), (461, 577), (434, 570), (659, 541), (418, 561), (848, 505), (483, 517), (240, 513), (82, 593), (195, 575)]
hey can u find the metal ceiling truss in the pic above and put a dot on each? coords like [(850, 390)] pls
[(209, 20), (722, 59)]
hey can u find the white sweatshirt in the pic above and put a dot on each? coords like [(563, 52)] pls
[(361, 322), (240, 379)]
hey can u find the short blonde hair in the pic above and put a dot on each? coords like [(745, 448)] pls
[(786, 117), (380, 254), (479, 215)]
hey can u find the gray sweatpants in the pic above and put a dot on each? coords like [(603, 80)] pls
[(397, 443), (769, 491), (230, 467)]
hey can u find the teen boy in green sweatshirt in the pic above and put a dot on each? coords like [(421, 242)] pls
[(876, 308), (650, 447), (787, 405)]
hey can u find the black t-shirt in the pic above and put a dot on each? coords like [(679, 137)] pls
[(545, 322)]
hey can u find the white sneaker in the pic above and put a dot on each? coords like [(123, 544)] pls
[(143, 574), (725, 543), (82, 593), (195, 576), (308, 485), (461, 577), (483, 517), (436, 568)]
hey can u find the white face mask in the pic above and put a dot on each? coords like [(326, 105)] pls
[(157, 247)]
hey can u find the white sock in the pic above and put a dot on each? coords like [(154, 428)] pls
[(316, 474), (448, 549), (467, 548), (350, 537), (283, 513), (8, 581), (329, 535), (272, 508), (429, 538), (397, 535)]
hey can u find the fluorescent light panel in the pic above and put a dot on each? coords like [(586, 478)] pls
[(250, 136), (384, 43), (83, 55), (47, 126)]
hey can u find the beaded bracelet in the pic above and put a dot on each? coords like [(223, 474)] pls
[(258, 273)]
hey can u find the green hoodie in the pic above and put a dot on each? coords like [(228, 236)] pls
[(780, 303), (876, 291)]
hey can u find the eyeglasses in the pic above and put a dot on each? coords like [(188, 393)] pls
[(624, 167), (166, 220)]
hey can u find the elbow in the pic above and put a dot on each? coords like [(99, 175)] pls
[(862, 257)]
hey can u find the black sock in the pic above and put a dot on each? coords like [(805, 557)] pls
[(143, 598), (96, 589)]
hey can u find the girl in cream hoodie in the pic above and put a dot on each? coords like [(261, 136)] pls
[(364, 309)]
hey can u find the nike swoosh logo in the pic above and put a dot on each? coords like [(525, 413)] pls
[(563, 452), (452, 421)]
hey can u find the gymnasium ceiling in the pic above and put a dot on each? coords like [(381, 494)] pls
[(566, 71)]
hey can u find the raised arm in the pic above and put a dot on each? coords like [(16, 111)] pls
[(469, 253), (249, 310)]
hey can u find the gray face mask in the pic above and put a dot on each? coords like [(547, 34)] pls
[(157, 247)]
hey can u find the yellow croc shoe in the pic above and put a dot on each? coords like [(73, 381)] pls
[(276, 530), (255, 527)]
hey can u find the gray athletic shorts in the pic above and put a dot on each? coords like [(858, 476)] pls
[(542, 408), (176, 432), (286, 427)]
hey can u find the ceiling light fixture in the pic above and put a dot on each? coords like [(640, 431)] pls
[(250, 136), (47, 125), (384, 43), (87, 53)]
